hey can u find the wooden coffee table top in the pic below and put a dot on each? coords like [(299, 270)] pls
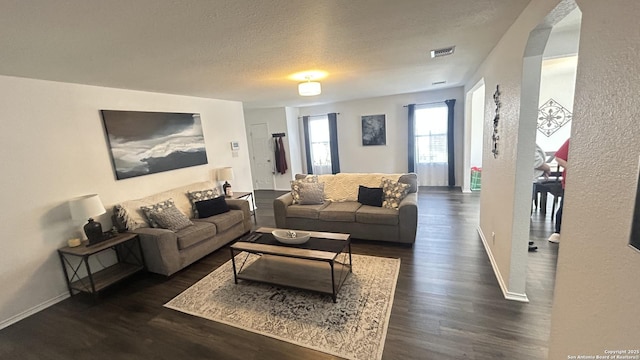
[(292, 251)]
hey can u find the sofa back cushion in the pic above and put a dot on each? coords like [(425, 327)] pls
[(129, 212), (345, 186)]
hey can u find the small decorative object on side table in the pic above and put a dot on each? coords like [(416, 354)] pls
[(130, 260)]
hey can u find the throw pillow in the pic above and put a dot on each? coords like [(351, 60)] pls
[(311, 193), (199, 195), (393, 192), (162, 205), (370, 196), (295, 186), (171, 219), (211, 207)]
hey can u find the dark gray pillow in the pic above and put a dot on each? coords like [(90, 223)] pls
[(311, 193), (171, 218), (370, 196), (211, 207)]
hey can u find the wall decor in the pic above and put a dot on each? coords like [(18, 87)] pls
[(374, 130), (495, 137), (552, 116), (143, 143)]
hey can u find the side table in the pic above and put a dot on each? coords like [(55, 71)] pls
[(129, 255), (246, 195)]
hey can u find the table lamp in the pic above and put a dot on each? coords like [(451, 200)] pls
[(226, 174), (86, 207)]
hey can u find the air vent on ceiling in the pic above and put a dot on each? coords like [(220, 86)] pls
[(442, 52), (438, 83)]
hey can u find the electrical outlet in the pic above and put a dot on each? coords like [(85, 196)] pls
[(493, 238)]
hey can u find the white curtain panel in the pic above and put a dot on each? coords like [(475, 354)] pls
[(432, 174)]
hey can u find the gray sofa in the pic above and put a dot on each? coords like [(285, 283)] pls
[(165, 251), (341, 212)]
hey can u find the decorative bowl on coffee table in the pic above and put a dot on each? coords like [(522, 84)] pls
[(291, 237)]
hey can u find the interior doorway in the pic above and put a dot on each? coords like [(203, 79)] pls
[(473, 133), (262, 148), (548, 86)]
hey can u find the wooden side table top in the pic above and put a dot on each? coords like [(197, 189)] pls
[(84, 250)]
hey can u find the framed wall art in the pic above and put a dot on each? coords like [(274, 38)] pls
[(374, 130), (143, 143)]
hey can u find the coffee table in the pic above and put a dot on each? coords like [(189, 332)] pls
[(319, 265)]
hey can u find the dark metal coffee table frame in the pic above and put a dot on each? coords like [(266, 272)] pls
[(295, 267)]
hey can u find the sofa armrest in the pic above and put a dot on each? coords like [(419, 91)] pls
[(408, 218), (240, 204), (160, 249), (280, 205)]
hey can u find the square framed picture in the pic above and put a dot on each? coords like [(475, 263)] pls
[(374, 130)]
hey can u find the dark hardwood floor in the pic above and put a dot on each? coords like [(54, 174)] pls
[(448, 304)]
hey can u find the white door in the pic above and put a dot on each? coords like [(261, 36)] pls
[(262, 157)]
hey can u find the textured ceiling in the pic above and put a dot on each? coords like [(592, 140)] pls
[(245, 50)]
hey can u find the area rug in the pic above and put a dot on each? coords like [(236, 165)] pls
[(353, 328)]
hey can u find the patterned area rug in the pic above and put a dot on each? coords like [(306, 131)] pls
[(353, 328)]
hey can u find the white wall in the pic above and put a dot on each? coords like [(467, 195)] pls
[(597, 286), (557, 82), (392, 157), (54, 149)]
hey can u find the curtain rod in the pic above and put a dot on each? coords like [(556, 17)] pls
[(300, 117), (429, 103)]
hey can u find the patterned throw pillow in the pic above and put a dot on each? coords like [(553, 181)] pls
[(170, 218), (162, 205), (199, 195), (311, 193), (295, 186), (393, 193)]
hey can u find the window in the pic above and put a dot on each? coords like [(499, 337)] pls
[(320, 145), (431, 134)]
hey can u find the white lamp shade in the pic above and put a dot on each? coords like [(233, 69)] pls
[(309, 88), (85, 207), (225, 174)]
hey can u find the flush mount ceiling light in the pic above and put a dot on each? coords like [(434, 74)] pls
[(309, 88)]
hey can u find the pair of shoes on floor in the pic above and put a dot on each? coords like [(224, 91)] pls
[(554, 238), (532, 248)]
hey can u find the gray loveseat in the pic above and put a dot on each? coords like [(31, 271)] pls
[(341, 212), (166, 251)]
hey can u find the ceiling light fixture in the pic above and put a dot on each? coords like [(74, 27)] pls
[(309, 88)]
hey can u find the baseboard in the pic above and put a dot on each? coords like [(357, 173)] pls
[(25, 314), (505, 292)]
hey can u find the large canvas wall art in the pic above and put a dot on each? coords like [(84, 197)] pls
[(143, 143), (374, 131)]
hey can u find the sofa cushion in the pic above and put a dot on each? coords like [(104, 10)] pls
[(200, 195), (170, 218), (305, 211), (130, 214), (211, 207), (195, 233), (394, 192), (340, 211), (344, 186), (224, 221), (148, 209), (376, 215), (370, 196), (295, 186), (311, 193)]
